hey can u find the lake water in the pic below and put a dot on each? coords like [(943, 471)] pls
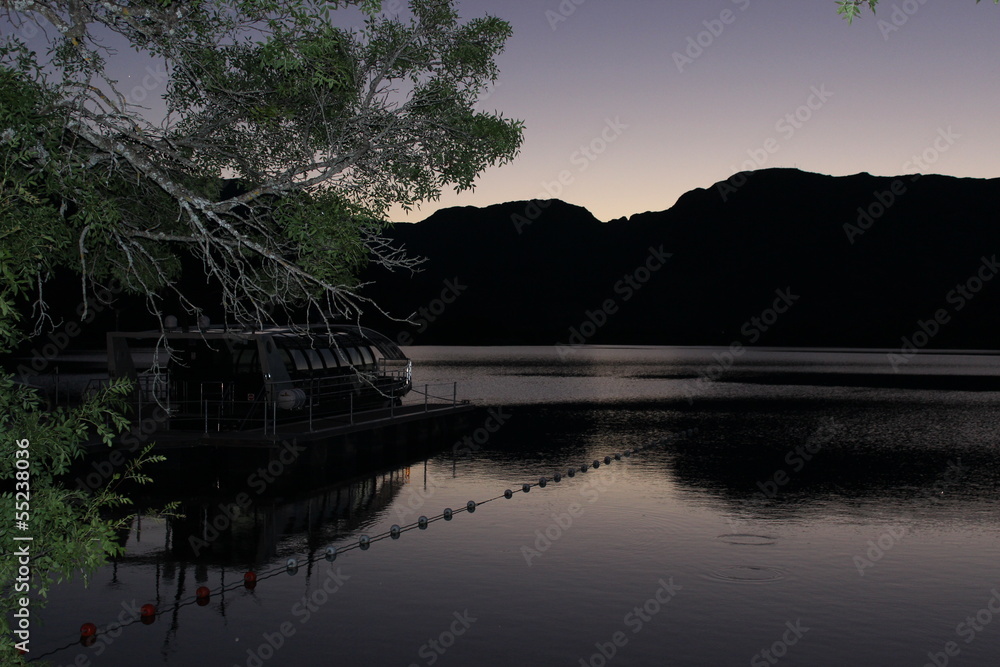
[(783, 507)]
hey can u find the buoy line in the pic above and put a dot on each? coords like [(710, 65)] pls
[(148, 612)]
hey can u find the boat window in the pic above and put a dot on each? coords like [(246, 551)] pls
[(246, 362), (384, 347), (341, 357), (328, 359), (300, 360), (367, 355), (355, 357), (314, 360)]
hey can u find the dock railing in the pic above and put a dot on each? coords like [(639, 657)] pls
[(438, 393), (279, 409), (425, 398), (291, 406)]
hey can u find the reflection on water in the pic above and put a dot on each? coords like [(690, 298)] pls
[(787, 523), (234, 530)]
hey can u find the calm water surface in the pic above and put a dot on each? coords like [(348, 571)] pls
[(806, 508)]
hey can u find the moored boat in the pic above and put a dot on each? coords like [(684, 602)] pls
[(216, 379)]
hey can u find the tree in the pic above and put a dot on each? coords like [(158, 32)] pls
[(322, 127), (849, 9), (281, 143), (51, 532)]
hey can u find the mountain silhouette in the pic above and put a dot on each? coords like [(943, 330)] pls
[(772, 257)]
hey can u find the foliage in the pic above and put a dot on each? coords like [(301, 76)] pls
[(283, 141), (850, 9), (70, 529), (280, 144)]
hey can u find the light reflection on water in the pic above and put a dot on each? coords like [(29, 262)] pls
[(864, 516)]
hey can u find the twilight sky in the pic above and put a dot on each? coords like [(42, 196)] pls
[(629, 104), (629, 126)]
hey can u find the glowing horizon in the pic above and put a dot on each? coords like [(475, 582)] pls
[(628, 110)]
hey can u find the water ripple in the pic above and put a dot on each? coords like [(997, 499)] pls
[(747, 574), (748, 539)]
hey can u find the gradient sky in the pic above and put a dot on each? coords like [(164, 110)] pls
[(896, 87), (615, 112)]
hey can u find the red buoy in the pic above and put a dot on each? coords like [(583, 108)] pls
[(147, 610), (250, 577), (203, 592), (88, 630)]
